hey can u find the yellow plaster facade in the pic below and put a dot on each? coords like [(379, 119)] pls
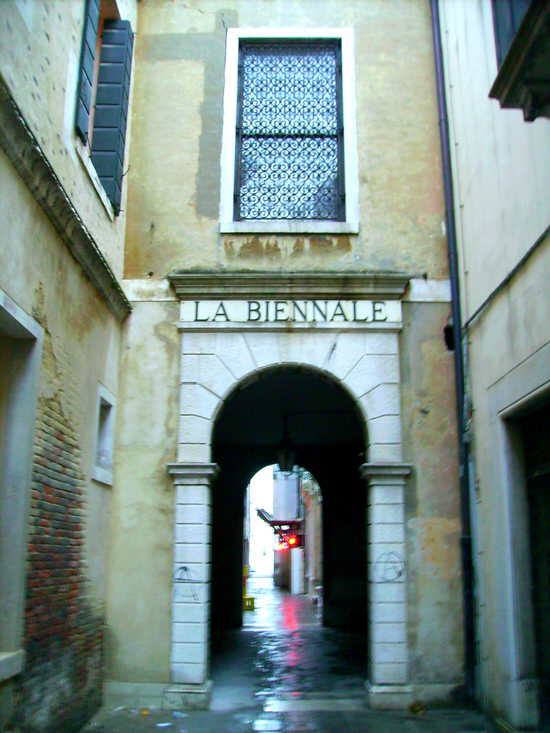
[(173, 224), (174, 181)]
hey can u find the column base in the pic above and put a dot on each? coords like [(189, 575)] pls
[(399, 697), (187, 697), (389, 697), (169, 696)]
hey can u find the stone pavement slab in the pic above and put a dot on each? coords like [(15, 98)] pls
[(285, 673), (127, 720)]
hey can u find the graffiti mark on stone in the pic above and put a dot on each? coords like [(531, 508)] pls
[(388, 568), (184, 592)]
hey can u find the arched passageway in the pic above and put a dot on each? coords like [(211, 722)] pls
[(326, 432)]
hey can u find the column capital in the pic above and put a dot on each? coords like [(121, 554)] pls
[(192, 473), (385, 471)]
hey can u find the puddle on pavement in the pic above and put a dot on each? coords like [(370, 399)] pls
[(267, 725), (283, 652), (314, 705)]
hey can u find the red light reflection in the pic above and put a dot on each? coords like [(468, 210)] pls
[(290, 619)]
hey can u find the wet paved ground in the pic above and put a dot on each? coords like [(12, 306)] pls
[(284, 673)]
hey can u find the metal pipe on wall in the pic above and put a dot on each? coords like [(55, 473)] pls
[(466, 536)]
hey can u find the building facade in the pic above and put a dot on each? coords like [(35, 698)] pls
[(207, 264), (61, 314), (500, 166), (220, 338)]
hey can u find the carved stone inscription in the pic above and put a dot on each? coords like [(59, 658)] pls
[(291, 311)]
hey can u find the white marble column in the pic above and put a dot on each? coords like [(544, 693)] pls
[(189, 665), (387, 567)]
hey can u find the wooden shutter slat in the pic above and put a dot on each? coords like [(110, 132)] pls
[(107, 162), (110, 73), (108, 116), (111, 108)]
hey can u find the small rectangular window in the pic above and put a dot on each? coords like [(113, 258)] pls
[(102, 469)]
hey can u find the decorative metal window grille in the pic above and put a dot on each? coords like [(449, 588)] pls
[(289, 152)]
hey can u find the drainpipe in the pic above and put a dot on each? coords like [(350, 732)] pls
[(463, 449)]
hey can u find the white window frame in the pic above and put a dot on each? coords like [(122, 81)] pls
[(228, 162), (100, 473)]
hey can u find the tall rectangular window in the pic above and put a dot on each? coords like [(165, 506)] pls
[(289, 151), (103, 92)]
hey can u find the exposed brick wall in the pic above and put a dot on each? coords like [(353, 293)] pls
[(61, 684)]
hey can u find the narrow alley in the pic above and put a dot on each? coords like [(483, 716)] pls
[(283, 672), (274, 366)]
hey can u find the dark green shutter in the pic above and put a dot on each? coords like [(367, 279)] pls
[(507, 17), (111, 106), (87, 57)]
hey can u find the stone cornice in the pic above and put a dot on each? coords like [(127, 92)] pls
[(385, 470), (197, 285), (31, 163), (192, 472)]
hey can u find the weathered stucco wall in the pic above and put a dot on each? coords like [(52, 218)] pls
[(501, 167), (68, 523), (174, 179), (40, 46), (506, 338), (432, 501), (140, 580), (501, 163)]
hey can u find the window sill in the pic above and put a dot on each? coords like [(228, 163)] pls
[(102, 475), (11, 664), (288, 227), (85, 159)]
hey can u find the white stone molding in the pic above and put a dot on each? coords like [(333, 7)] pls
[(189, 667), (11, 664), (389, 684), (103, 448), (364, 363), (228, 161), (26, 338), (368, 301), (147, 290), (192, 473), (383, 285), (424, 290), (523, 388), (283, 315)]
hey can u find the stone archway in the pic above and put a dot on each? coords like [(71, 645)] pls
[(326, 429), (354, 343)]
